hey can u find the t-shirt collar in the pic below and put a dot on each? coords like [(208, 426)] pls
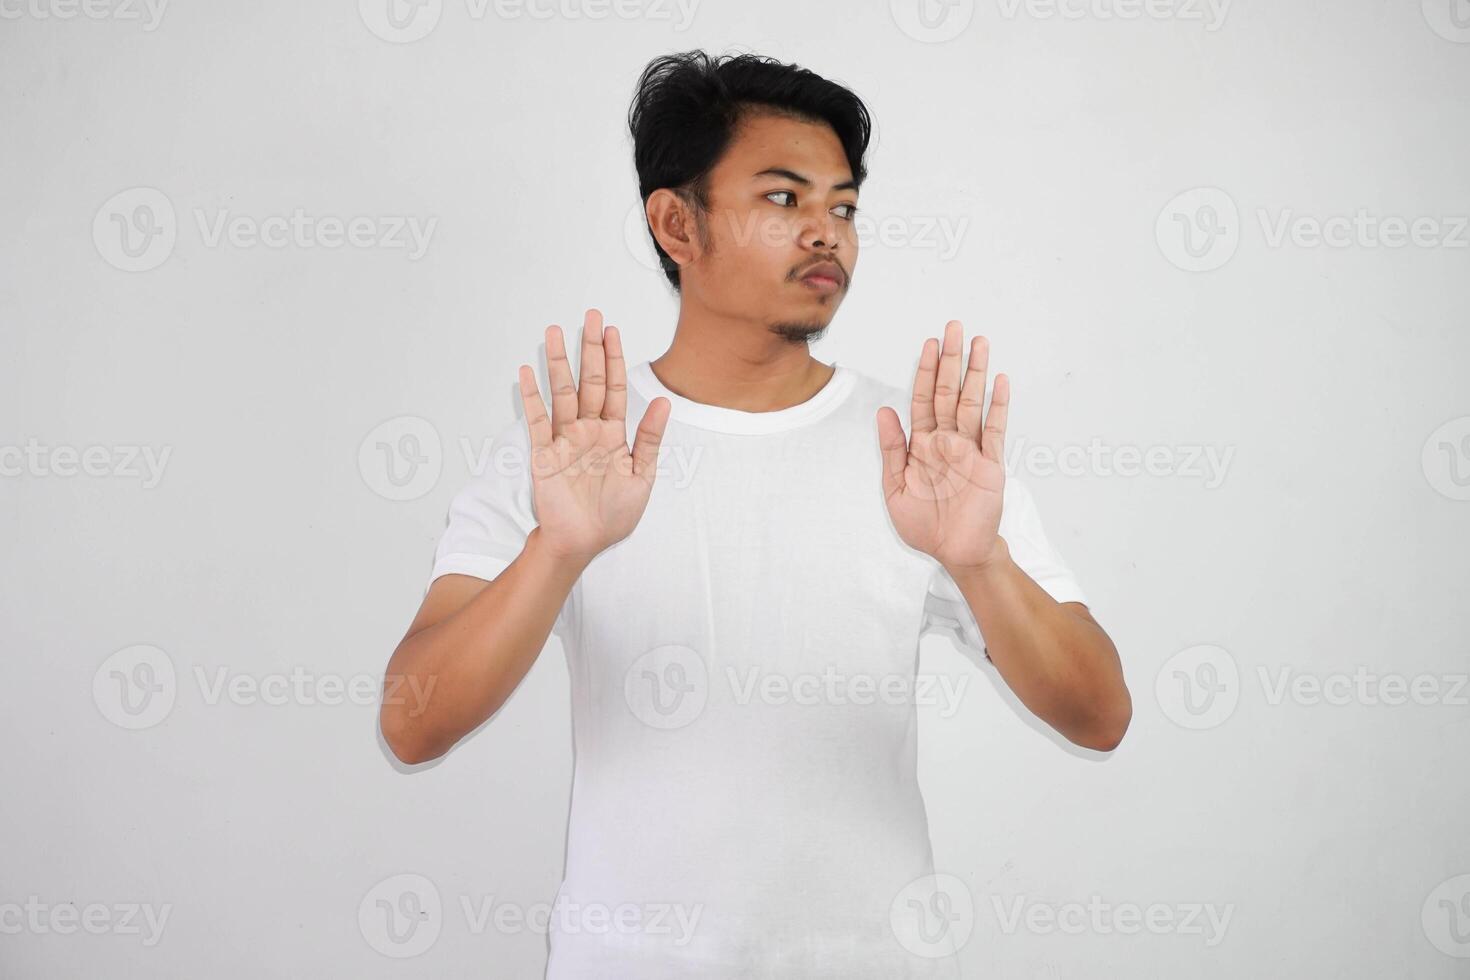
[(721, 419)]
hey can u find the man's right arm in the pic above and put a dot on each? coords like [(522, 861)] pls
[(472, 640), (468, 648)]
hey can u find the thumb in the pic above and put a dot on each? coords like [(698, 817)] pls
[(649, 437), (894, 449)]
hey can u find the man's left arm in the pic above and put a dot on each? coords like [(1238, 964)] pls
[(944, 486), (1054, 655)]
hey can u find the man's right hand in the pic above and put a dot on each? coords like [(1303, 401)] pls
[(589, 490)]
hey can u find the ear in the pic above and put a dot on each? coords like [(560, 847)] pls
[(673, 224)]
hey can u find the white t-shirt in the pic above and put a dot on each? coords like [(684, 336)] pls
[(744, 799)]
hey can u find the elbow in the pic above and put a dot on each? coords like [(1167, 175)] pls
[(1102, 741), (402, 717), (401, 741), (407, 756), (1107, 731)]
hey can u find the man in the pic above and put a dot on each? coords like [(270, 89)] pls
[(772, 531)]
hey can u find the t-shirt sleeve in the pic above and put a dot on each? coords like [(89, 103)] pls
[(945, 608), (491, 516)]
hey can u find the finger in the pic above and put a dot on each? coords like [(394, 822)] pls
[(895, 450), (972, 395), (921, 411), (538, 426), (650, 436), (559, 371), (615, 405), (947, 382), (993, 441), (592, 371)]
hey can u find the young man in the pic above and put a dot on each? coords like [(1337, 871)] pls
[(738, 592)]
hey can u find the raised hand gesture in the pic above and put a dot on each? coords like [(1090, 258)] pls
[(589, 490), (944, 485)]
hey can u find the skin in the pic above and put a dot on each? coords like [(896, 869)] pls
[(780, 201), (943, 486), (745, 318), (473, 640)]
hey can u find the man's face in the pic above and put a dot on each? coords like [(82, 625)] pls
[(781, 209)]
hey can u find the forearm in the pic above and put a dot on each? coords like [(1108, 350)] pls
[(1061, 665), (456, 673)]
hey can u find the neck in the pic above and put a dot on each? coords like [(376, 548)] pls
[(739, 364)]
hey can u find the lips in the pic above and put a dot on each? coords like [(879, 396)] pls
[(826, 276)]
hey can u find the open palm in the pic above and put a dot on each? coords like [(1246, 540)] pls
[(945, 483), (590, 491)]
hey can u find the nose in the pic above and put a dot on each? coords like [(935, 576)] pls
[(819, 231)]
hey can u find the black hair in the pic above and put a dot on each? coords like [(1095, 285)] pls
[(686, 107)]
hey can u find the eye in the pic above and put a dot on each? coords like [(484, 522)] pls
[(848, 215)]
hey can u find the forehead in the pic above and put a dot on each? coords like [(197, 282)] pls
[(764, 140)]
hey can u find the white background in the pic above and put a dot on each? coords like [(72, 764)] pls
[(1332, 834)]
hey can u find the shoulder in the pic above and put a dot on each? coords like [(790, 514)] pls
[(871, 391), (500, 471)]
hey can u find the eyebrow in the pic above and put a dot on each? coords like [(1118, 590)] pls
[(849, 185)]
